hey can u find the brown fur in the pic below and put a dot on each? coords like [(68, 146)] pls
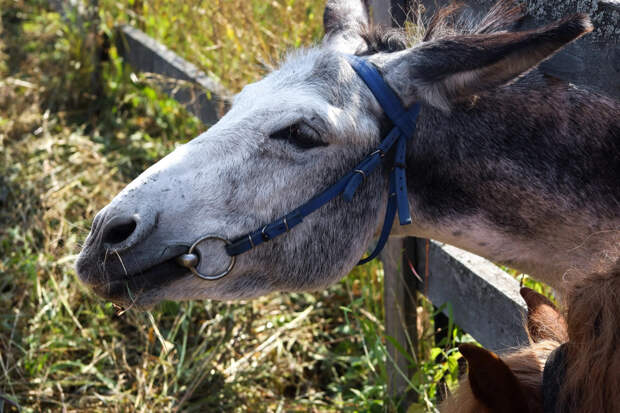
[(522, 374), (526, 364), (543, 320), (593, 360), (592, 328)]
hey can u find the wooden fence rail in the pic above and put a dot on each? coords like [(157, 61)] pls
[(200, 94), (480, 297)]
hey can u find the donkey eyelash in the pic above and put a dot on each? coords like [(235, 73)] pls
[(300, 135)]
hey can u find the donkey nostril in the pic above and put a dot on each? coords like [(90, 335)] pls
[(119, 232)]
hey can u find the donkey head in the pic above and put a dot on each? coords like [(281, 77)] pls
[(513, 382), (286, 138)]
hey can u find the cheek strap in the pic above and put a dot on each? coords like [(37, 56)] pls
[(404, 121)]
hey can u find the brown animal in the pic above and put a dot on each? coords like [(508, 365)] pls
[(592, 382), (512, 383), (591, 331)]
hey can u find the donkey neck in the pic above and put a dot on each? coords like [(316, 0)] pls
[(526, 175)]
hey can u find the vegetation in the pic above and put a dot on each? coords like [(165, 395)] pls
[(70, 138), (236, 42)]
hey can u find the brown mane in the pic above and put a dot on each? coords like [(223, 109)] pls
[(593, 360)]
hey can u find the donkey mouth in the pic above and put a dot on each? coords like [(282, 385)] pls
[(125, 287), (131, 287)]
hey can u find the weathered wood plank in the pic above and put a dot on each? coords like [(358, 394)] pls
[(208, 100), (380, 10), (592, 61), (399, 295), (485, 300), (200, 94)]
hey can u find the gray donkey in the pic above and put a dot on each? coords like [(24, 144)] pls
[(521, 168)]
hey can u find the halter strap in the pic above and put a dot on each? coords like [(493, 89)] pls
[(405, 124)]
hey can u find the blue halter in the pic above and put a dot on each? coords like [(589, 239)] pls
[(405, 124)]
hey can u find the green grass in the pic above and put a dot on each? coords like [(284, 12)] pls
[(65, 152), (236, 42)]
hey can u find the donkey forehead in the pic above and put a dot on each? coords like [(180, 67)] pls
[(312, 82), (312, 69)]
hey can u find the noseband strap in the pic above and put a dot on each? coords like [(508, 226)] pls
[(404, 127)]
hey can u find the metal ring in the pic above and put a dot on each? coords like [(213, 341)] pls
[(211, 277), (251, 240), (378, 151), (286, 225)]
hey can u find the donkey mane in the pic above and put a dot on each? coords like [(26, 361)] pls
[(451, 20), (380, 39)]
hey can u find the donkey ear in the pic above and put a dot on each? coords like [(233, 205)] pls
[(343, 21), (544, 322), (492, 382), (442, 71)]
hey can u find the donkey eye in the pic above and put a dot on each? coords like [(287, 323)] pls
[(300, 135)]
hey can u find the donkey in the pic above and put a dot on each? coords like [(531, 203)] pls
[(514, 382), (584, 377), (505, 162)]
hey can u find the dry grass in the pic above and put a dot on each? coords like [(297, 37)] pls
[(63, 155), (234, 41), (65, 152)]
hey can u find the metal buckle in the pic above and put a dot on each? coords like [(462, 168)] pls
[(359, 171), (192, 259), (264, 234)]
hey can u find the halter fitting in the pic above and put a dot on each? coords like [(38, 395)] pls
[(191, 259), (404, 127)]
